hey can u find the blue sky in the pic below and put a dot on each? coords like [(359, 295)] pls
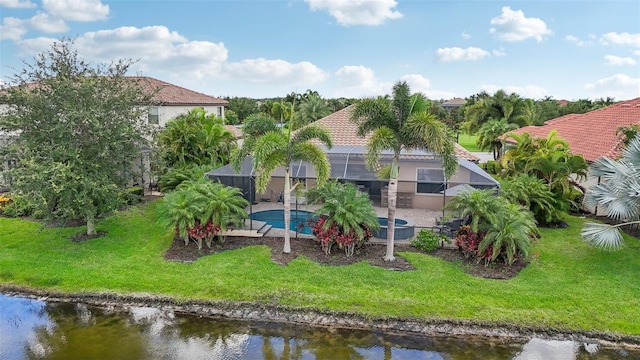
[(352, 48)]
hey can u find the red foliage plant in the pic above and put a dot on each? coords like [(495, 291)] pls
[(334, 235)]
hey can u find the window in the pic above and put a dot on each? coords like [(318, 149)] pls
[(220, 111), (429, 181), (154, 115)]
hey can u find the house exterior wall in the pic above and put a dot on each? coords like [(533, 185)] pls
[(168, 112), (407, 186)]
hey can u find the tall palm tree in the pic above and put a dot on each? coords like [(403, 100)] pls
[(398, 124), (616, 194), (275, 149)]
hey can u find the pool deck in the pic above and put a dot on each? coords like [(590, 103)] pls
[(421, 218)]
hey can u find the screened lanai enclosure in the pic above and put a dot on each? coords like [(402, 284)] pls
[(421, 182)]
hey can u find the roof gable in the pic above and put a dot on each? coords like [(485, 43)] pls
[(592, 134)]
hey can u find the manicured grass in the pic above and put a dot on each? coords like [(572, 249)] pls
[(567, 286), (468, 142)]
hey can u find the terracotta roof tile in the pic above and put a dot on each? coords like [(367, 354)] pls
[(344, 132), (169, 94), (234, 130), (592, 134)]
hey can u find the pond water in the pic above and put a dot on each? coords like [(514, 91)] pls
[(32, 329)]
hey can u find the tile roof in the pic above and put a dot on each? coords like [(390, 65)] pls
[(234, 130), (169, 94), (592, 134), (344, 132), (455, 102)]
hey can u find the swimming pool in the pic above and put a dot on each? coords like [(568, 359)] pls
[(403, 229), (275, 218)]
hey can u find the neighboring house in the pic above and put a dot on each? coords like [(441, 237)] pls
[(453, 103), (168, 102), (592, 135), (421, 181), (171, 100)]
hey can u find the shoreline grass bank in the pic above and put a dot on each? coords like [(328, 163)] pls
[(568, 287)]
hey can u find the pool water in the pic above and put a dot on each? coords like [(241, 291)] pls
[(275, 218)]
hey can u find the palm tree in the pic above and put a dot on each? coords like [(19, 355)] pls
[(482, 206), (616, 194), (196, 138), (398, 124), (311, 109), (275, 149), (221, 205), (506, 111), (489, 135), (179, 210), (346, 207), (510, 232)]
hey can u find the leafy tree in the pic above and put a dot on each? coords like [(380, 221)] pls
[(243, 107), (277, 148), (616, 194), (398, 124), (79, 129), (196, 138), (311, 109)]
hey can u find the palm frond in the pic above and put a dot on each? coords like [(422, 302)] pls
[(603, 236)]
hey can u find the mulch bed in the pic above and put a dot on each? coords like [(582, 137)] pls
[(372, 253)]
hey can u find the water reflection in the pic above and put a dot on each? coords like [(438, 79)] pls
[(31, 329)]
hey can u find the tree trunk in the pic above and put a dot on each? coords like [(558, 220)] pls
[(391, 218), (91, 225), (287, 211), (186, 239)]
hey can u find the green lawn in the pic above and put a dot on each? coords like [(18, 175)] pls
[(468, 142), (568, 286)]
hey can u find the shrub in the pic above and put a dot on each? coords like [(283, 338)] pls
[(17, 206), (468, 241), (331, 234), (492, 167), (427, 240), (134, 194)]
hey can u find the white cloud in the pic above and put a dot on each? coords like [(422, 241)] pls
[(621, 39), (618, 61), (47, 24), (359, 81), (357, 12), (619, 86), (527, 91), (576, 40), (459, 54), (498, 52), (465, 35), (514, 26), (77, 10), (421, 84), (14, 28), (636, 52), (274, 72), (417, 82), (161, 51), (17, 4)]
